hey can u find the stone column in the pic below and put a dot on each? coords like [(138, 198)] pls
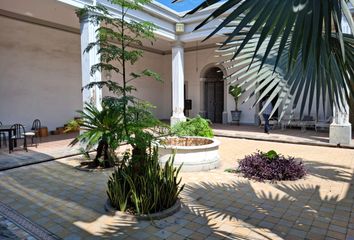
[(88, 35), (340, 131), (177, 83), (225, 115)]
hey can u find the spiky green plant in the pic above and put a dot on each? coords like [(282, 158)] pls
[(235, 91), (152, 190)]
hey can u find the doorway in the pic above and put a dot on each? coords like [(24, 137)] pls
[(214, 94)]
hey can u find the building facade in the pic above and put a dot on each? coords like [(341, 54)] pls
[(43, 69)]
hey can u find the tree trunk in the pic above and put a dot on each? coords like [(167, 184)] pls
[(102, 149)]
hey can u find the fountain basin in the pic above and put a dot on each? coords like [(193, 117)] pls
[(195, 153)]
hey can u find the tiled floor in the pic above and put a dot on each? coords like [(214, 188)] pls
[(10, 231), (294, 135), (50, 147), (216, 204)]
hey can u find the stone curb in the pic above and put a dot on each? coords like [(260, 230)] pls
[(145, 217)]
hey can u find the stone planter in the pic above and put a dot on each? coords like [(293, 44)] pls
[(195, 153), (154, 216), (236, 116)]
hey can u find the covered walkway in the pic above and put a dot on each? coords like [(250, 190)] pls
[(296, 136)]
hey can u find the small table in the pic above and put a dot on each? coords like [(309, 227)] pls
[(10, 131)]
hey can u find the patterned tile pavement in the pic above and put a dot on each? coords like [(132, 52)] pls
[(216, 204), (14, 225), (9, 230)]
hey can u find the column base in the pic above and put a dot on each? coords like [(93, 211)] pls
[(225, 117), (176, 119), (340, 133)]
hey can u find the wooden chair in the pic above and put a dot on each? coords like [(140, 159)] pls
[(34, 133), (19, 133)]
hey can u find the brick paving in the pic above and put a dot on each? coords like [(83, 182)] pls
[(51, 147), (216, 204), (294, 135)]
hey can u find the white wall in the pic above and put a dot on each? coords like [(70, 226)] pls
[(40, 74), (157, 93)]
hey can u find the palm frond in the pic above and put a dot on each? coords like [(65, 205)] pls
[(295, 51)]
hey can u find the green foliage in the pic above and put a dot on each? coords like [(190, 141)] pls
[(271, 155), (84, 153), (197, 126), (144, 191), (291, 50), (138, 184), (103, 128), (230, 170), (235, 91), (73, 125), (123, 118)]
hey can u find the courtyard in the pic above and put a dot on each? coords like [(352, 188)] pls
[(126, 98), (60, 201)]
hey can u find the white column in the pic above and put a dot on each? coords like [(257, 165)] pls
[(225, 115), (340, 131), (88, 35), (177, 83)]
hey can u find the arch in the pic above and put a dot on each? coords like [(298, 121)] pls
[(212, 80), (211, 65)]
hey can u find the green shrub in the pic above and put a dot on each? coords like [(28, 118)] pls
[(197, 126), (143, 187)]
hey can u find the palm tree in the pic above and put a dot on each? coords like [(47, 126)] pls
[(296, 48)]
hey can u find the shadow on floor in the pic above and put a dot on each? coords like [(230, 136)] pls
[(49, 148), (288, 135)]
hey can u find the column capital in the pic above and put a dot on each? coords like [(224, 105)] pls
[(86, 16), (178, 44)]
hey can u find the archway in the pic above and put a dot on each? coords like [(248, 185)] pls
[(213, 94)]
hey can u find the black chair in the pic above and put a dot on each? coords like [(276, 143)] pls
[(3, 137), (34, 133), (19, 133)]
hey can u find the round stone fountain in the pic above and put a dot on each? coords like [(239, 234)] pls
[(195, 153)]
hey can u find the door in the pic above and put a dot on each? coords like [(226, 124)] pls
[(214, 98)]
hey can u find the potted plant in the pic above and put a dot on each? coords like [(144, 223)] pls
[(235, 91)]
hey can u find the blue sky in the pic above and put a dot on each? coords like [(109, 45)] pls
[(181, 6)]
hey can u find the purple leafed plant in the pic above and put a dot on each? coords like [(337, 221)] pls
[(271, 166)]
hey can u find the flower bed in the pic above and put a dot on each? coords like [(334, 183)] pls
[(271, 166)]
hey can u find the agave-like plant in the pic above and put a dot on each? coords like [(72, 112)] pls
[(291, 49)]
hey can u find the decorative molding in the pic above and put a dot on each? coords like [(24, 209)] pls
[(39, 22), (61, 27), (194, 48)]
